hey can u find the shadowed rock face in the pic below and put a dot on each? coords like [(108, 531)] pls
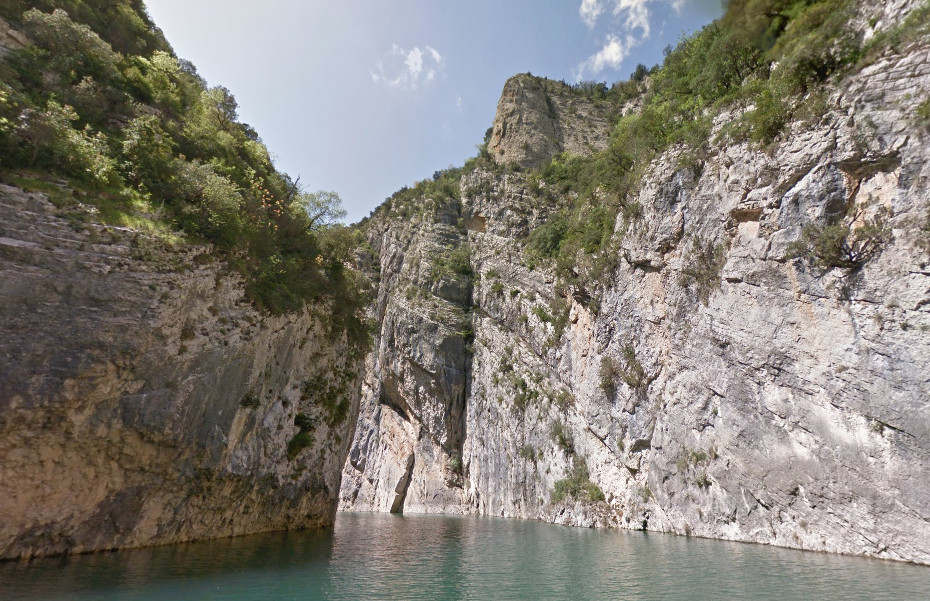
[(144, 401), (790, 407)]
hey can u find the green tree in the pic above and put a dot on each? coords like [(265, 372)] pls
[(148, 152), (67, 50), (323, 208)]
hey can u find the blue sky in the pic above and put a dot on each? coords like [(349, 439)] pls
[(366, 96)]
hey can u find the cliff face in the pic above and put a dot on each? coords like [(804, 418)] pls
[(144, 401), (719, 388), (537, 119)]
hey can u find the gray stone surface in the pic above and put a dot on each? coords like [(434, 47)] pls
[(10, 38), (539, 118), (793, 408), (144, 401)]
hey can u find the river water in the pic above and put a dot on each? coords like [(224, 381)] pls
[(373, 556)]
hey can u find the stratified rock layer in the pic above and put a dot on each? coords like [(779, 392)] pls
[(144, 401), (777, 405)]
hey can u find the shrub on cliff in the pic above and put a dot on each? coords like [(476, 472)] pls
[(609, 373), (701, 270), (455, 263), (577, 485), (99, 100), (847, 244)]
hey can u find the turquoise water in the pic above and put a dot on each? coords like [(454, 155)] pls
[(372, 556)]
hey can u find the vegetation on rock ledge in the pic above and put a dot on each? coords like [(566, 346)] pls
[(98, 112), (765, 61), (577, 485)]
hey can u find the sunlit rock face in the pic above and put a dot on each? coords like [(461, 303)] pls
[(773, 403), (144, 401), (540, 118)]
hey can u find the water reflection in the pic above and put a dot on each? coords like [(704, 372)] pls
[(225, 569), (369, 556)]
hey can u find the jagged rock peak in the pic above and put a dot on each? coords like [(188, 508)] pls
[(538, 118)]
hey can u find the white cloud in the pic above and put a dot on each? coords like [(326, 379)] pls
[(407, 69), (636, 13), (414, 62), (629, 26), (610, 55), (590, 10)]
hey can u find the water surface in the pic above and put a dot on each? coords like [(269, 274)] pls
[(373, 556)]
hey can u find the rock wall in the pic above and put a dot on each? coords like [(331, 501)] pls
[(539, 118), (10, 39), (144, 401), (773, 403)]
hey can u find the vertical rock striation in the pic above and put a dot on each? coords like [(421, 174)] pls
[(716, 387), (144, 401)]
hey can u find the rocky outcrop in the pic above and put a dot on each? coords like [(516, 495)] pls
[(540, 118), (10, 38), (408, 445), (712, 385), (143, 400)]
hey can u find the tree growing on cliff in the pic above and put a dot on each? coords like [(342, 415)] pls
[(848, 244), (323, 207)]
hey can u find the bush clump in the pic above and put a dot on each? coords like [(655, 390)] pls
[(562, 437), (577, 485), (329, 391), (610, 371), (250, 400), (633, 373), (298, 443), (630, 371), (455, 263), (304, 436), (702, 271), (922, 115), (847, 244)]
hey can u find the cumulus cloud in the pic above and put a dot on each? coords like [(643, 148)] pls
[(590, 10), (635, 14), (629, 22), (610, 55), (407, 69), (414, 63)]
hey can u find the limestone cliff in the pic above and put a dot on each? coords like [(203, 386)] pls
[(143, 400), (718, 387), (537, 119)]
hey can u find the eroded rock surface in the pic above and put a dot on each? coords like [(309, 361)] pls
[(143, 400), (777, 404), (540, 118)]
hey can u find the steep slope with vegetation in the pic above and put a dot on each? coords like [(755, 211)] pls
[(182, 337), (709, 318), (97, 100)]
